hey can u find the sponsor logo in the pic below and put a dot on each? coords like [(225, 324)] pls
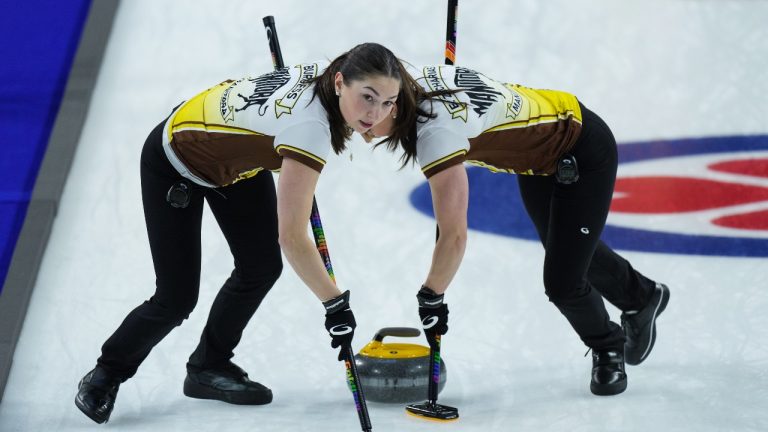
[(340, 329), (429, 322), (334, 305), (433, 302), (285, 104)]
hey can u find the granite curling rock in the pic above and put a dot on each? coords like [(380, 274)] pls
[(396, 372)]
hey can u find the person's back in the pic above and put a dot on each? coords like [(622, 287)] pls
[(227, 133), (510, 128)]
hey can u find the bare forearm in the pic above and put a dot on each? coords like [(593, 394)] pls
[(446, 258), (306, 262), (294, 201), (450, 196)]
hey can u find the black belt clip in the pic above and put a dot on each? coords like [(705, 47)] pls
[(179, 195), (567, 169)]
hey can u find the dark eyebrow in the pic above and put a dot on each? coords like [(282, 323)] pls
[(377, 93)]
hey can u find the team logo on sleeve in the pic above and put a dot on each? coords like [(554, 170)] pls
[(285, 104), (515, 106), (455, 107)]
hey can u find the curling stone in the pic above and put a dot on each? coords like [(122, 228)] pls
[(396, 372)]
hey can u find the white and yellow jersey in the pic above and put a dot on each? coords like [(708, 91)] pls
[(237, 128), (502, 127)]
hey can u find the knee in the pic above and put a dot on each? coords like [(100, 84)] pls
[(267, 279), (173, 310), (561, 289), (257, 278)]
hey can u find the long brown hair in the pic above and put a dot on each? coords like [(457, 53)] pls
[(408, 114), (361, 62)]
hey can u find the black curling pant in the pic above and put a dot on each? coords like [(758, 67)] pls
[(246, 212), (579, 269)]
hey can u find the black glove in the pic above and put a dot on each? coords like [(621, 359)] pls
[(433, 313), (340, 323)]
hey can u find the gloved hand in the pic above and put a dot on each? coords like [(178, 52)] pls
[(433, 313), (340, 323)]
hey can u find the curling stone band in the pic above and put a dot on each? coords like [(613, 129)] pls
[(396, 372)]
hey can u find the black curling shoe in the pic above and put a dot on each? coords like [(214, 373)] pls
[(640, 327), (96, 394), (228, 384), (608, 376)]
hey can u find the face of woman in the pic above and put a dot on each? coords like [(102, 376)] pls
[(382, 129), (365, 103)]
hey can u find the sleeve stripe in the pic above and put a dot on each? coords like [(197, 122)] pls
[(550, 118), (443, 159), (199, 126), (299, 151)]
